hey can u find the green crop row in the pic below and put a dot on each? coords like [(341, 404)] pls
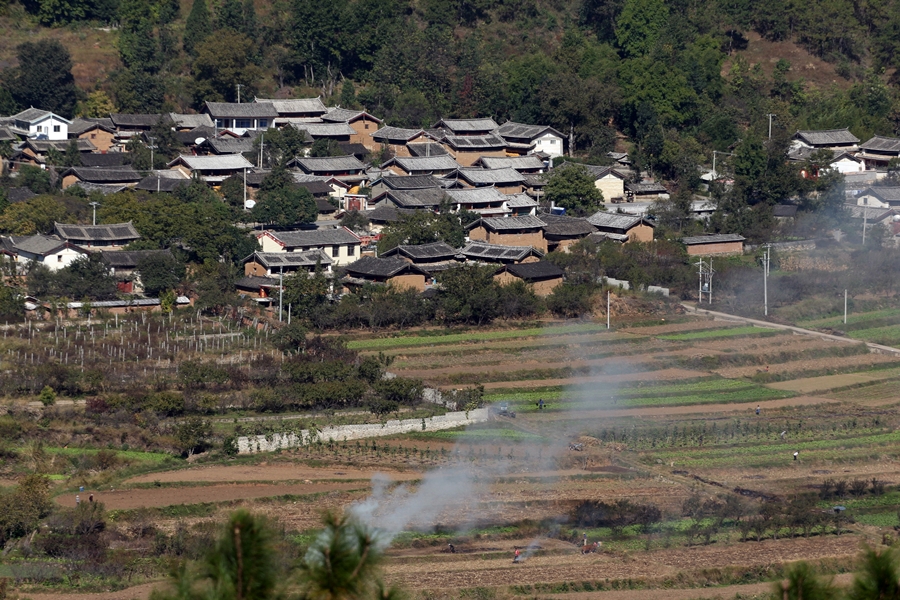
[(131, 455), (888, 335), (499, 434), (472, 336), (879, 519), (646, 388), (851, 319), (719, 333)]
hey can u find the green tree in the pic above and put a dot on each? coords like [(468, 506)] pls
[(198, 27), (572, 187), (282, 203), (224, 60), (469, 294), (44, 77), (192, 435), (878, 577), (33, 216), (307, 295), (24, 506), (160, 272), (354, 220), (61, 12), (87, 277), (325, 147), (425, 227), (342, 564), (639, 26), (281, 145), (802, 583)]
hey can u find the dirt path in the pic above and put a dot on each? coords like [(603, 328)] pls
[(268, 472), (138, 592), (156, 497)]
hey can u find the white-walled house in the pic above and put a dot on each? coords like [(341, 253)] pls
[(847, 163), (530, 139), (880, 197), (41, 124), (340, 245), (49, 250)]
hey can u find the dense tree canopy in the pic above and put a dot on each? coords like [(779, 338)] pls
[(44, 78)]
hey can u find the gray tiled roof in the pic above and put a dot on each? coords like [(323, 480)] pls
[(337, 114), (472, 196), (596, 171), (224, 162), (314, 237), (520, 201), (424, 163), (102, 188), (96, 159), (84, 233), (410, 182), (477, 176), (317, 130), (397, 134), (533, 271), (434, 250), (880, 143), (712, 239), (129, 259), (80, 126), (296, 105), (884, 193), (607, 220), (43, 146), (496, 253), (828, 137), (120, 174), (289, 259), (138, 121), (322, 164), (230, 145), (528, 162), (646, 188), (40, 245), (426, 149), (475, 142), (560, 225), (467, 125), (386, 213), (421, 198), (246, 110), (509, 223), (157, 182), (522, 131), (251, 282), (381, 267), (784, 210), (185, 121), (31, 115)]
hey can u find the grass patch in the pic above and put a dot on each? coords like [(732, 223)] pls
[(478, 434), (707, 334), (128, 455), (851, 319), (471, 336)]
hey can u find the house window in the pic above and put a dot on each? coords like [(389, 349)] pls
[(93, 136), (59, 258), (263, 123), (40, 128), (367, 125), (223, 123), (56, 129), (351, 250), (242, 123), (335, 251)]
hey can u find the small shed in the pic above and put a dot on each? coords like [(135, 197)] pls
[(720, 244), (541, 275), (634, 228)]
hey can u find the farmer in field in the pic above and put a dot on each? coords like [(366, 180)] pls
[(796, 454), (516, 557), (541, 404), (757, 409)]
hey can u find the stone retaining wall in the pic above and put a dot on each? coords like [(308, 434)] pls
[(341, 433)]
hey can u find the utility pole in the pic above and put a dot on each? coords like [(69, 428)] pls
[(262, 142), (245, 188), (770, 115), (706, 274), (152, 147), (715, 152), (239, 86), (709, 282), (607, 309), (845, 307), (766, 283), (94, 205), (865, 222), (700, 289), (280, 292)]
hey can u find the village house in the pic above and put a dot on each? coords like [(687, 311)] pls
[(827, 138), (48, 250), (347, 169), (521, 205), (622, 227), (121, 176), (561, 231), (227, 145), (339, 132), (98, 236), (721, 244), (525, 165), (467, 149), (421, 165), (163, 181), (421, 199), (340, 245), (426, 147), (124, 266), (432, 258), (880, 197), (107, 161), (393, 271), (541, 276), (467, 127), (189, 122), (879, 151), (129, 125), (395, 139), (527, 139), (509, 231), (645, 191), (274, 264), (35, 152), (382, 215), (40, 124), (401, 183), (211, 169), (486, 201), (607, 179), (100, 132), (241, 117), (506, 180), (362, 123), (840, 160), (294, 110), (485, 253)]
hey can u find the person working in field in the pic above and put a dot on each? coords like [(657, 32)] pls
[(516, 557)]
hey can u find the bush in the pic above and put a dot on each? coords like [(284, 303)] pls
[(571, 300)]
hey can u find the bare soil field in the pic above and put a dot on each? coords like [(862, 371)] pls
[(268, 472), (660, 375), (795, 366), (828, 382), (690, 325)]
